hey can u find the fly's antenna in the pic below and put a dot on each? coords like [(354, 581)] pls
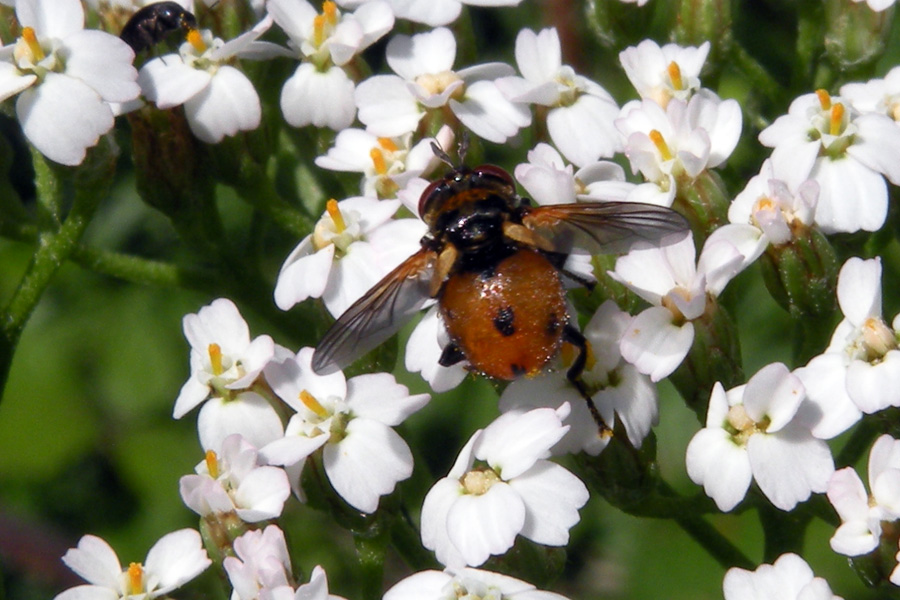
[(461, 152), (442, 155), (463, 147)]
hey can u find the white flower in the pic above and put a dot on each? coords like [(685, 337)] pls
[(581, 113), (431, 12), (316, 589), (549, 180), (659, 338), (869, 357), (387, 164), (391, 105), (423, 351), (261, 562), (233, 481), (677, 143), (59, 69), (351, 421), (174, 560), (218, 98), (788, 578), (478, 510), (320, 92), (353, 246), (847, 153), (662, 73), (878, 5), (862, 514), (876, 95), (752, 432), (470, 584), (620, 389)]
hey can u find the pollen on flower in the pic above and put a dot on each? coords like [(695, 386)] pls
[(135, 579), (195, 38), (824, 99), (479, 481), (335, 213), (37, 53), (740, 421), (674, 72), (212, 464), (659, 141), (837, 119), (387, 144), (878, 338), (436, 83), (215, 358), (378, 161)]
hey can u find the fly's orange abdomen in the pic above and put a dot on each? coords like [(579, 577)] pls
[(507, 320)]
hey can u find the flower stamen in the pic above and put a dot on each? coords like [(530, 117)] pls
[(195, 38), (312, 404), (135, 579), (215, 358), (479, 481), (659, 141), (33, 44), (837, 119), (824, 99), (378, 161), (335, 213), (675, 75), (212, 464)]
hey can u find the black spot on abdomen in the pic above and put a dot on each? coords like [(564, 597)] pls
[(503, 321)]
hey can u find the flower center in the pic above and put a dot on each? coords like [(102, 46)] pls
[(479, 481), (31, 55), (337, 228), (435, 83), (877, 339), (212, 464), (323, 24), (660, 142), (195, 38), (135, 579), (215, 359), (674, 72), (741, 426)]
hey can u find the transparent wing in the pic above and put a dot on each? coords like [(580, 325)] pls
[(604, 227), (378, 315)]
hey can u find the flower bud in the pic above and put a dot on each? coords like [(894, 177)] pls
[(616, 24), (856, 35), (699, 21), (802, 274), (704, 202)]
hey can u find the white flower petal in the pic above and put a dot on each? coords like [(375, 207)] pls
[(249, 414), (103, 62), (790, 465), (56, 19), (721, 466), (431, 52), (229, 104), (859, 289), (321, 99), (485, 525), (552, 497), (304, 274), (654, 344), (95, 561), (489, 114), (585, 130), (261, 494), (176, 558)]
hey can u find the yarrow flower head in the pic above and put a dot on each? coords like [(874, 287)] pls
[(662, 73), (478, 509), (232, 480), (753, 432), (218, 98), (391, 105), (59, 69), (320, 92), (581, 113), (175, 559), (788, 578), (470, 584), (353, 246), (351, 420), (862, 514), (826, 139), (261, 562)]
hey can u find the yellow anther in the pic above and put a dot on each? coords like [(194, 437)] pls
[(675, 75), (837, 119), (824, 99), (196, 40), (215, 358), (657, 138), (335, 213), (318, 30), (329, 11), (387, 144), (135, 579), (212, 464), (33, 44), (312, 404), (479, 481), (378, 161)]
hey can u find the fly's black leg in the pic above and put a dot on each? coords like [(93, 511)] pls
[(558, 260), (451, 355), (577, 339)]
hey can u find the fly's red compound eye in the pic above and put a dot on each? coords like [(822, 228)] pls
[(434, 189), (494, 172)]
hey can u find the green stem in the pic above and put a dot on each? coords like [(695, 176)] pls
[(719, 548), (757, 76), (370, 551)]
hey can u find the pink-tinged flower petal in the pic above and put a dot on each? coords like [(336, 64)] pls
[(367, 463), (204, 495), (884, 455), (489, 114), (851, 196), (229, 104), (552, 497), (585, 130), (95, 561), (249, 414), (538, 55), (854, 538), (56, 19), (435, 536), (176, 558), (426, 53), (879, 140), (168, 82), (827, 410), (847, 494), (103, 62), (773, 394), (484, 525), (45, 112), (654, 344), (874, 387), (378, 396), (790, 466), (723, 468), (859, 289), (748, 240), (261, 494), (513, 442), (310, 97), (304, 274)]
